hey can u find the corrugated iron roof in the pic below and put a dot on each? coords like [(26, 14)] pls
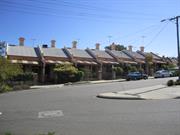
[(22, 51), (53, 52), (79, 53), (134, 54), (102, 54), (155, 56), (120, 54)]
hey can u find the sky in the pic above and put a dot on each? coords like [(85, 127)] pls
[(126, 22)]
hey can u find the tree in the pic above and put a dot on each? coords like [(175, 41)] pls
[(168, 66), (7, 71), (129, 68), (118, 71), (141, 70), (149, 58), (149, 61), (118, 47), (133, 69)]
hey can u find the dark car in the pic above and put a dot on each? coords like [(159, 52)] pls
[(136, 76)]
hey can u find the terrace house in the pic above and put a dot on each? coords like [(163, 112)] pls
[(157, 61), (83, 61), (138, 58), (106, 62), (28, 57)]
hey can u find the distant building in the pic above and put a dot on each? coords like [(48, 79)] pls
[(138, 58), (157, 61), (96, 63)]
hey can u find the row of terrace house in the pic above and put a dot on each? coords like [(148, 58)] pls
[(96, 63)]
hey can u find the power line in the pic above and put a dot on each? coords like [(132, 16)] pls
[(87, 7), (139, 31), (157, 34), (83, 16), (53, 11)]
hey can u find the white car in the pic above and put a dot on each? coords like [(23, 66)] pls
[(162, 74)]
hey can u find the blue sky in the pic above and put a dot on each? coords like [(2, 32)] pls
[(126, 22)]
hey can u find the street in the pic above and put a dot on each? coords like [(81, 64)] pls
[(75, 110)]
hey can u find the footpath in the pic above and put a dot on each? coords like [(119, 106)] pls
[(79, 83), (76, 83), (146, 93)]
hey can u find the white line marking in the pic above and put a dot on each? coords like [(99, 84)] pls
[(0, 113), (50, 114)]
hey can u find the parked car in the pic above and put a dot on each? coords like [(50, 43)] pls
[(163, 73), (136, 76), (174, 72)]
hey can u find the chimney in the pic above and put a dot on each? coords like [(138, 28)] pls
[(113, 46), (74, 44), (44, 46), (142, 48), (53, 43), (21, 41), (97, 46), (130, 48)]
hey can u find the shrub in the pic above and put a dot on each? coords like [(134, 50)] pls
[(21, 87), (49, 133), (170, 83), (141, 70), (177, 82), (79, 75), (133, 69), (87, 74), (118, 70), (67, 73), (7, 133), (5, 88), (8, 70), (27, 76)]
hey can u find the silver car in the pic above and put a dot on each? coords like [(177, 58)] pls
[(162, 74)]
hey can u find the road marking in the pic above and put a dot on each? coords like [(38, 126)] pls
[(0, 113), (50, 114)]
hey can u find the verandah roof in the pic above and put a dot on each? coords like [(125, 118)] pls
[(24, 62)]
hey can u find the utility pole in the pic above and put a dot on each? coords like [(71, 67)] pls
[(177, 29)]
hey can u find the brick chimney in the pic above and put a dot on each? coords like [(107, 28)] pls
[(97, 46), (74, 44), (130, 48), (113, 46), (142, 48), (53, 43), (21, 41)]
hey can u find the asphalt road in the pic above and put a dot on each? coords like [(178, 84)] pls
[(75, 110)]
